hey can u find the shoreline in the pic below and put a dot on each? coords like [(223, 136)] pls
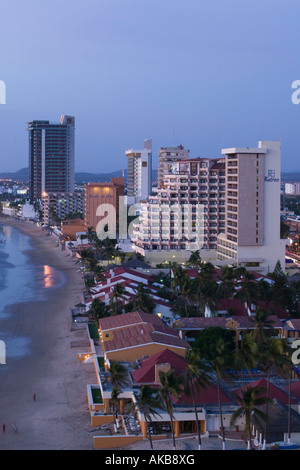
[(59, 417)]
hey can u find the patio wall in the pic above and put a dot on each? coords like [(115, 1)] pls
[(112, 442), (98, 420)]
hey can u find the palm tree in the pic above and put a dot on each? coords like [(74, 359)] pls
[(280, 288), (250, 401), (195, 260), (118, 374), (141, 300), (227, 286), (98, 310), (207, 271), (288, 370), (185, 292), (148, 401), (195, 377), (207, 293), (219, 362), (119, 293), (170, 386), (264, 291), (248, 289), (114, 401), (262, 325), (273, 355), (245, 355), (91, 234)]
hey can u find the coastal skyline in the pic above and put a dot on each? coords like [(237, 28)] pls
[(207, 76)]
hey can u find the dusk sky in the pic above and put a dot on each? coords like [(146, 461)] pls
[(205, 74)]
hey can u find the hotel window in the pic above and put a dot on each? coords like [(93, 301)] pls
[(193, 168)]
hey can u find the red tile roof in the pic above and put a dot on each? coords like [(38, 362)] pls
[(143, 334), (128, 319), (274, 392), (200, 323), (295, 389), (203, 396), (146, 373)]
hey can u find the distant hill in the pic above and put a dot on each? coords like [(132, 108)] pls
[(80, 177), (20, 175)]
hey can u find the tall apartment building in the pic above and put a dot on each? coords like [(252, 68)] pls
[(252, 208), (102, 205), (166, 157), (139, 172), (59, 205), (188, 212), (51, 156)]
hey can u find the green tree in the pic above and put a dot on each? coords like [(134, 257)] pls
[(194, 260), (195, 378), (148, 402), (115, 401), (207, 294), (227, 279), (280, 288), (118, 294), (141, 300), (207, 338), (118, 374), (220, 360), (273, 355), (250, 401), (98, 310), (170, 386), (247, 292), (184, 292), (245, 355), (261, 326)]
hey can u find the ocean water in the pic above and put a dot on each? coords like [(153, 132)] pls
[(21, 280)]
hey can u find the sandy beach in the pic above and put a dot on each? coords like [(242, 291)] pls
[(59, 417)]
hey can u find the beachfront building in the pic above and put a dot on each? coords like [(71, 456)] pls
[(59, 205), (239, 323), (129, 279), (135, 335), (102, 206), (188, 211), (51, 156), (252, 207), (139, 173), (144, 347), (167, 156)]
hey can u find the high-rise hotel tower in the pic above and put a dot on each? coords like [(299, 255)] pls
[(51, 156), (252, 209), (139, 174)]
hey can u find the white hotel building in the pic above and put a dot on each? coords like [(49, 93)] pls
[(229, 209), (252, 228), (139, 173), (188, 211)]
